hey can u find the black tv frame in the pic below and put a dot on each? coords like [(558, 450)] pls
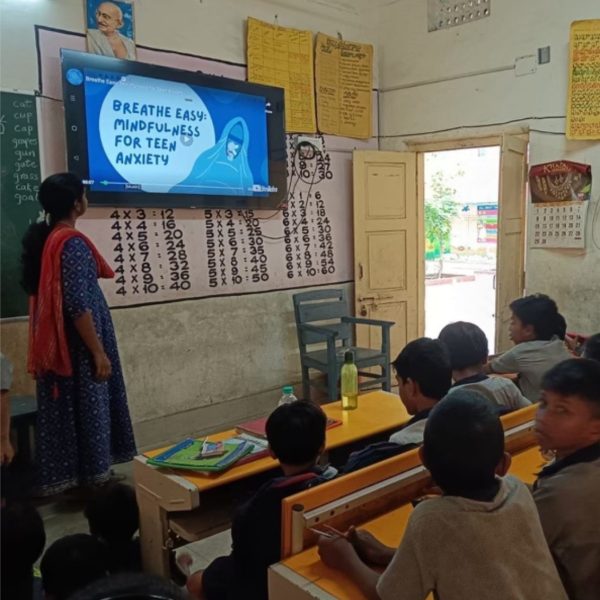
[(76, 135)]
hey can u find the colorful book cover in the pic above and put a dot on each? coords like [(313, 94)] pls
[(187, 455)]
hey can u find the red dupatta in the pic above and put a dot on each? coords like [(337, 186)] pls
[(48, 348)]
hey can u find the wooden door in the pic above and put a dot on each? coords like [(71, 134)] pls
[(511, 233), (388, 246)]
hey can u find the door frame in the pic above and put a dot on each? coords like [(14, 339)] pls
[(459, 143)]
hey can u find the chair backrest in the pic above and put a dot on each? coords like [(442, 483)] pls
[(322, 308)]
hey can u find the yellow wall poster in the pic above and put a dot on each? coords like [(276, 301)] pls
[(283, 57), (344, 76), (583, 103)]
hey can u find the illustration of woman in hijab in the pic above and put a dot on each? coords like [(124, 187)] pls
[(223, 168)]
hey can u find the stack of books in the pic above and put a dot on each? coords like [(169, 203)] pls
[(188, 455)]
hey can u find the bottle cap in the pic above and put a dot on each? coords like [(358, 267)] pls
[(349, 356), (287, 389)]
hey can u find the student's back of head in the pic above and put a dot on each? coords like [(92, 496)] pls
[(71, 563), (22, 540), (113, 517), (591, 349), (539, 312), (463, 444), (425, 361), (113, 514), (296, 432), (466, 343), (130, 586)]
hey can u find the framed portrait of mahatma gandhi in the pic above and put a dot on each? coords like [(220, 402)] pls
[(110, 28)]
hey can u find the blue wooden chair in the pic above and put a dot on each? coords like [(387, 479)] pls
[(323, 317)]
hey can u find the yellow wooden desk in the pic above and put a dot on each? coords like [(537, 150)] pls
[(303, 576), (161, 492)]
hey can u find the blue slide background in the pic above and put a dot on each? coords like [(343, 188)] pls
[(222, 106)]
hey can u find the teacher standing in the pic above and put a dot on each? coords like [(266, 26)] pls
[(83, 423)]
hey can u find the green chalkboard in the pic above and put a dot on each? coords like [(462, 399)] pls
[(19, 182)]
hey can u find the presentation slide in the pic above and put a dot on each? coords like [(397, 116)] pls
[(158, 136)]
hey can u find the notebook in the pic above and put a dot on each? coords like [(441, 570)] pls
[(187, 455), (257, 427), (260, 447)]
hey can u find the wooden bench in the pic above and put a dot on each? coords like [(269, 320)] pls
[(376, 489), (301, 574), (179, 507)]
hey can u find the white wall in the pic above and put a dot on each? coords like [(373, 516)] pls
[(410, 56), (193, 365)]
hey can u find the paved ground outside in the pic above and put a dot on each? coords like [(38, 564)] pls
[(461, 298)]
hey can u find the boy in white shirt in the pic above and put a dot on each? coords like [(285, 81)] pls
[(536, 327), (567, 491), (423, 374), (467, 346), (481, 539)]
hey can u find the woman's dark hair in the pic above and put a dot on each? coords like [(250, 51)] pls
[(57, 195)]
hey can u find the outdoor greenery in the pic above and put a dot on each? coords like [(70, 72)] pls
[(440, 209)]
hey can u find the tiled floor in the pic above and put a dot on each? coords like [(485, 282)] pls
[(206, 550)]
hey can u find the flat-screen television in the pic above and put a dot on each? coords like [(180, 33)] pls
[(149, 136)]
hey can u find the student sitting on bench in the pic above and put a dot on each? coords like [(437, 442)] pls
[(468, 349), (481, 539), (535, 328), (113, 517), (424, 376), (567, 492), (423, 373), (296, 436)]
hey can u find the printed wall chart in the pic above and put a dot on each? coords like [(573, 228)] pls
[(172, 254)]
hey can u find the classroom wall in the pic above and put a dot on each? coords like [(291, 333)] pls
[(196, 364), (418, 63)]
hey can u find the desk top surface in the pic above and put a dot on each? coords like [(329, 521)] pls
[(389, 528), (377, 412)]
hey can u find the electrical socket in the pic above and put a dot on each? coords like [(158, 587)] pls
[(543, 55)]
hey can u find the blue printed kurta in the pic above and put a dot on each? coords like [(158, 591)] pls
[(87, 428)]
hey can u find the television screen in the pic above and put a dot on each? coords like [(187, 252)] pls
[(142, 135)]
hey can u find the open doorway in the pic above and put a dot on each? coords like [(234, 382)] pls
[(461, 189)]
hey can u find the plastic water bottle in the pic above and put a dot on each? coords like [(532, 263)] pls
[(287, 395), (349, 384)]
